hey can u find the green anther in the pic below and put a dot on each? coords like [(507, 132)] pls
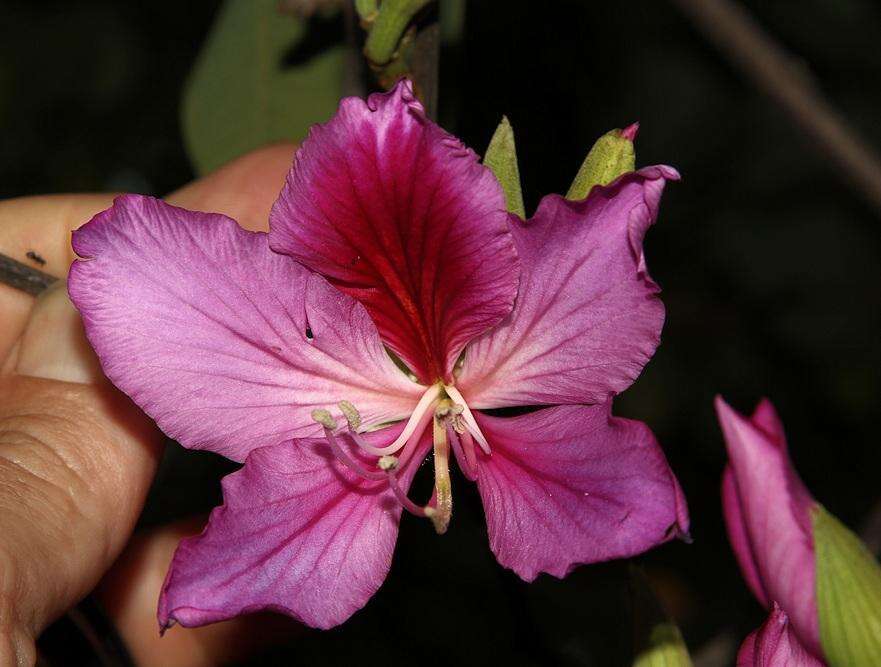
[(387, 463), (324, 418), (350, 413)]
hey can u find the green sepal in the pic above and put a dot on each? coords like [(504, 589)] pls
[(241, 95), (501, 158), (848, 594), (612, 155)]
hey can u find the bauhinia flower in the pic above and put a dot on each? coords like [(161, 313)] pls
[(775, 645), (820, 581), (392, 304)]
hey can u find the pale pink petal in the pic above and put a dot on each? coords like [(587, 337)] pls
[(775, 645), (774, 513), (400, 215), (573, 484), (227, 345), (587, 317), (298, 533)]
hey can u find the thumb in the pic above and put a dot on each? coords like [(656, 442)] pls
[(76, 461)]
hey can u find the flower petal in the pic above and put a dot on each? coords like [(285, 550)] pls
[(775, 645), (774, 508), (400, 215), (573, 484), (587, 317), (298, 533), (227, 345), (739, 537)]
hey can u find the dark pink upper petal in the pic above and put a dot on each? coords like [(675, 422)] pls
[(573, 484), (775, 645), (227, 345), (399, 214), (773, 541), (298, 533), (587, 317)]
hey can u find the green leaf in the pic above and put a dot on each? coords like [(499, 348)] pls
[(501, 158), (848, 594), (241, 94), (612, 155), (665, 649)]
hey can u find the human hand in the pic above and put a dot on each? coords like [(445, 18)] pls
[(77, 456)]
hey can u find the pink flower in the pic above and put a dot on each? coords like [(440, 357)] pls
[(775, 645), (272, 350), (767, 513)]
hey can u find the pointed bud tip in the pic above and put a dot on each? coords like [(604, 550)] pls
[(630, 132)]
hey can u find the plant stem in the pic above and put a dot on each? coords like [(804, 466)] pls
[(386, 31), (784, 79)]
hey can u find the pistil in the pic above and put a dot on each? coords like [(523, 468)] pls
[(442, 510)]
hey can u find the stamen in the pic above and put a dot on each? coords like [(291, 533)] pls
[(406, 503), (389, 465), (324, 418), (467, 469), (468, 446), (415, 422), (468, 417)]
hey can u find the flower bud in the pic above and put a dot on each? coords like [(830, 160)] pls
[(792, 552), (612, 155), (501, 158)]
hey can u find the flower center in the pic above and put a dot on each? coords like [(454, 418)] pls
[(453, 426)]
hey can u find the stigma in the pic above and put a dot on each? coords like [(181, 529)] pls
[(453, 427)]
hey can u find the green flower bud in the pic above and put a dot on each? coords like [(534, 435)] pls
[(665, 649), (611, 156), (501, 158)]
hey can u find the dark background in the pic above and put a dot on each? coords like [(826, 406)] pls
[(768, 259)]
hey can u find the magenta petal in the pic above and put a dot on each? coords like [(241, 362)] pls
[(400, 215), (227, 345), (767, 509), (298, 533), (775, 645), (587, 317), (573, 484)]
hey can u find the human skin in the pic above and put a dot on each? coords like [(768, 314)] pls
[(77, 457)]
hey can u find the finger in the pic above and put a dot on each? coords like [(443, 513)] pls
[(129, 593), (244, 189), (77, 457), (41, 226)]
